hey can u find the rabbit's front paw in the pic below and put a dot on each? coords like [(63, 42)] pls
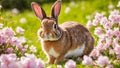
[(59, 60), (51, 60)]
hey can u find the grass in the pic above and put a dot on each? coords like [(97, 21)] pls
[(84, 8)]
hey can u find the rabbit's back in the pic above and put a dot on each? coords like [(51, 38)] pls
[(80, 38), (76, 31)]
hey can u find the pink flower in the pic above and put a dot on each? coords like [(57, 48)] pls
[(114, 16), (13, 65), (98, 16), (3, 38), (22, 39), (89, 24), (103, 21), (108, 25), (22, 49), (118, 56), (95, 53), (87, 60), (109, 33), (15, 41), (20, 30), (8, 32), (111, 51), (15, 11), (115, 42), (117, 32), (3, 65), (103, 61), (9, 50), (30, 61), (70, 64), (1, 25), (104, 46), (114, 12), (32, 48), (108, 41), (100, 46), (95, 22), (117, 49), (40, 63), (107, 44), (23, 20), (109, 66), (7, 59), (98, 31)]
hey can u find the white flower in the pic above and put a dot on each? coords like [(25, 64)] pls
[(0, 6), (67, 10), (73, 4), (110, 6), (20, 30), (23, 20), (118, 5), (32, 48), (15, 11), (70, 64), (22, 39), (1, 25)]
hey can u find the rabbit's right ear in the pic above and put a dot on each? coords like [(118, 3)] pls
[(40, 13), (56, 9)]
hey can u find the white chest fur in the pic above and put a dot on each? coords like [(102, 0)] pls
[(75, 53), (53, 52)]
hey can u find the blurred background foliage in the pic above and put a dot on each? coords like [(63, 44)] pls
[(25, 4)]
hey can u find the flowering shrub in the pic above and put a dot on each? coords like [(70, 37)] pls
[(107, 30), (10, 42), (13, 50), (70, 64), (27, 61)]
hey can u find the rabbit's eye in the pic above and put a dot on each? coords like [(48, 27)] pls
[(55, 26)]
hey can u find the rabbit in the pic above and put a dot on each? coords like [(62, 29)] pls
[(60, 42)]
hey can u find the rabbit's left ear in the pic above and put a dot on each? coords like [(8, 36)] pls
[(38, 10), (56, 9)]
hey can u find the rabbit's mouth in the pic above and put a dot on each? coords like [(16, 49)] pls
[(52, 36), (49, 37)]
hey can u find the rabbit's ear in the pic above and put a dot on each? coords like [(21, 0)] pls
[(56, 9), (40, 13)]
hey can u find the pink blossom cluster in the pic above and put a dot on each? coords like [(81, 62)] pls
[(107, 31), (13, 42), (27, 61), (9, 42), (70, 64), (14, 50)]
